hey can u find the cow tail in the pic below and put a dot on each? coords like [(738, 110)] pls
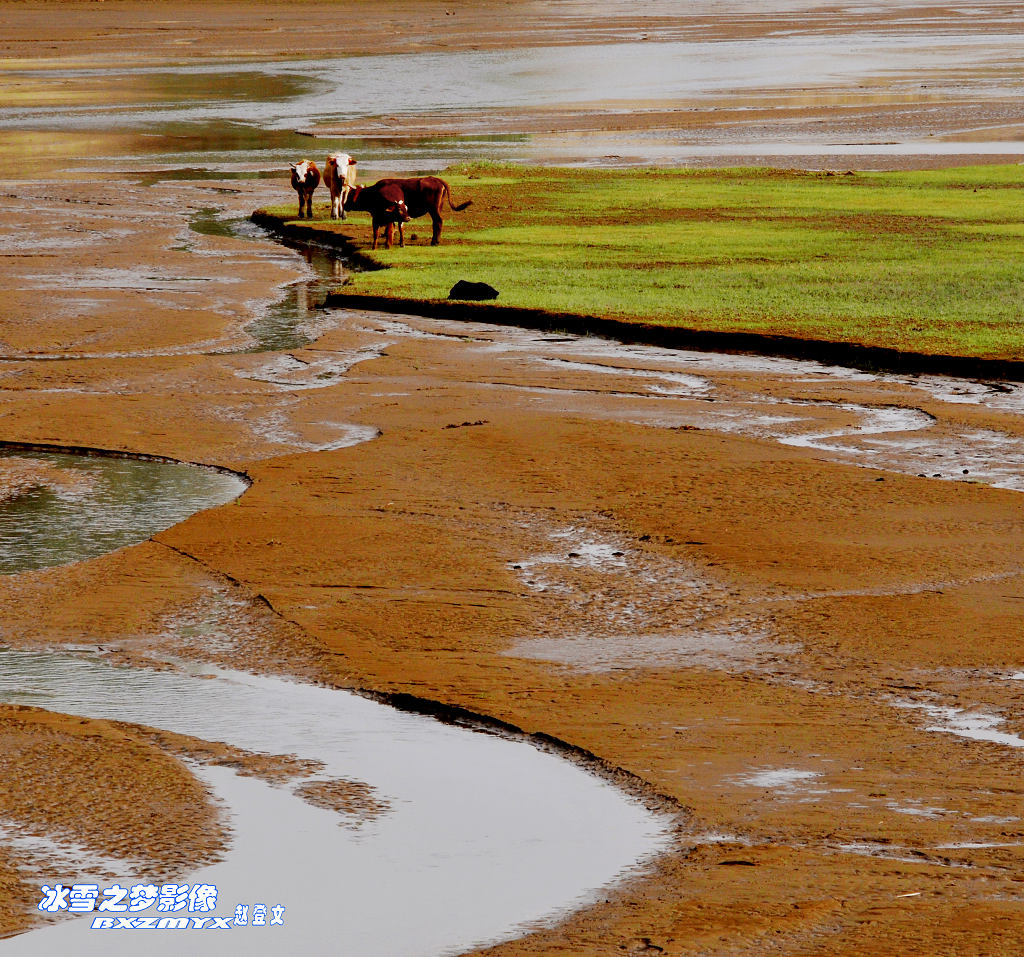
[(451, 205)]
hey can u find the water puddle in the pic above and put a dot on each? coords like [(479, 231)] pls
[(474, 836), (973, 725), (614, 607), (58, 508), (774, 778)]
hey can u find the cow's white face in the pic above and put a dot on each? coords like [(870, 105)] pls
[(300, 170), (339, 159)]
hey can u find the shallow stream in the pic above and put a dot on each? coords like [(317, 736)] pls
[(464, 836), (295, 320)]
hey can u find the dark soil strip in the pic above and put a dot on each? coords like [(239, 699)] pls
[(85, 450)]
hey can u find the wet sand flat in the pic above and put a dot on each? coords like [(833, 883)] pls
[(910, 84), (783, 645)]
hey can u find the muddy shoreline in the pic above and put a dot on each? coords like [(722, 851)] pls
[(770, 624)]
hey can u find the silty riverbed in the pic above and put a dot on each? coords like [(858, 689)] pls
[(933, 427)]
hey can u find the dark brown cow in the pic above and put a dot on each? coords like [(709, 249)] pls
[(305, 179), (390, 201), (384, 210)]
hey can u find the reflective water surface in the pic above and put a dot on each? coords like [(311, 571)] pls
[(474, 834), (963, 65), (63, 508), (295, 320)]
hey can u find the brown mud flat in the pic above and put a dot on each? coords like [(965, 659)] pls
[(853, 355), (773, 624), (102, 786), (80, 32)]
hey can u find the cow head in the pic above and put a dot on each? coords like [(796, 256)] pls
[(300, 170)]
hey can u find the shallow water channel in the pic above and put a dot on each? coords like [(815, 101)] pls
[(911, 424), (296, 319), (471, 835)]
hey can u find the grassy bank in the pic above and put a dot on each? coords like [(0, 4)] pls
[(928, 262)]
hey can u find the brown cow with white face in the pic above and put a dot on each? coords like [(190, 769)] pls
[(339, 177), (305, 179)]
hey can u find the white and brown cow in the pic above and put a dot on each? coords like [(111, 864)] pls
[(340, 177), (305, 179)]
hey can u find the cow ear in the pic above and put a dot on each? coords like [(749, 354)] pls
[(351, 162)]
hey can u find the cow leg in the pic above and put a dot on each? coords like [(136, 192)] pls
[(376, 226), (401, 234), (389, 234), (435, 239)]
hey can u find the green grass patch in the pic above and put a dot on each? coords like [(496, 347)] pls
[(928, 261)]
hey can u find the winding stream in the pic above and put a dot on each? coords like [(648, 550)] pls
[(471, 835), (908, 424), (295, 320)]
